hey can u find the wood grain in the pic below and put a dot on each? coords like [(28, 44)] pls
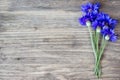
[(42, 40)]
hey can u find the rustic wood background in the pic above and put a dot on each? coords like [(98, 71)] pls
[(42, 40)]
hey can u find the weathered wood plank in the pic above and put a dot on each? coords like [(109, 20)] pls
[(42, 40)]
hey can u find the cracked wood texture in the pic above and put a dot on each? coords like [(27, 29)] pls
[(42, 40)]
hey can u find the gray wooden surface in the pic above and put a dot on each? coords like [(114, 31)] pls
[(42, 40)]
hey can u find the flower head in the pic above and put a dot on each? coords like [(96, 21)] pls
[(87, 17), (109, 34), (104, 19), (90, 8), (91, 11), (84, 19)]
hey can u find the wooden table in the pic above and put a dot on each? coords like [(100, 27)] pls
[(42, 40)]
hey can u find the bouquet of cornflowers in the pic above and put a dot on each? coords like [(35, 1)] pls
[(101, 28)]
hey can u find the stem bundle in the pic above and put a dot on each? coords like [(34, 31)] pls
[(98, 50)]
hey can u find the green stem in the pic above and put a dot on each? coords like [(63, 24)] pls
[(104, 42), (97, 51), (92, 42), (98, 70), (97, 41)]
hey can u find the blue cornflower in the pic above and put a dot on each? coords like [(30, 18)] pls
[(96, 24), (84, 19), (88, 17), (90, 8), (109, 34), (91, 11), (104, 19)]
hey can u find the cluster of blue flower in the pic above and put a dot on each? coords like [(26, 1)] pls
[(98, 19)]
